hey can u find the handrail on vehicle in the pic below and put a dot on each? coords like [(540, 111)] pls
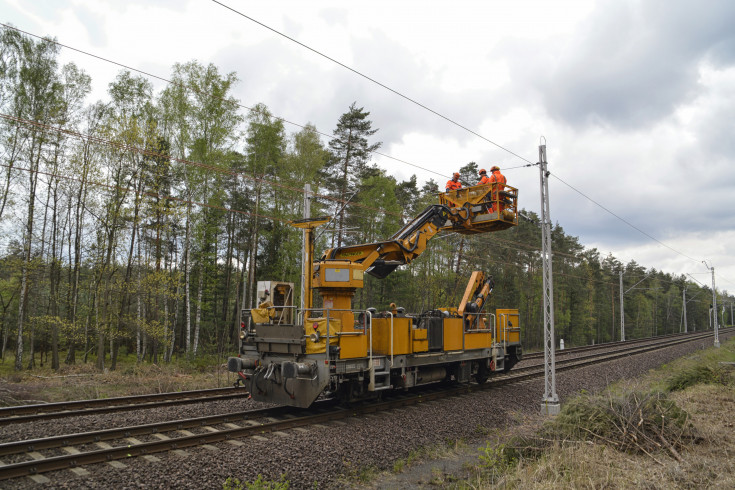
[(486, 329)]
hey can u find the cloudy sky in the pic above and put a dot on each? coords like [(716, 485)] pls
[(635, 99)]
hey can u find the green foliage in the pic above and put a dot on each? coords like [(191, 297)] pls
[(630, 421), (699, 374), (498, 459), (258, 484), (145, 242)]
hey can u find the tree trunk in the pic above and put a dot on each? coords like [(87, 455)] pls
[(253, 254), (199, 308), (27, 242), (187, 273), (100, 335)]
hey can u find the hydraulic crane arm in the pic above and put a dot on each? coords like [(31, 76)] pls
[(477, 292), (381, 258), (340, 271)]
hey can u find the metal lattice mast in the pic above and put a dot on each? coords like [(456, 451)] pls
[(550, 402), (714, 308), (622, 310), (684, 294)]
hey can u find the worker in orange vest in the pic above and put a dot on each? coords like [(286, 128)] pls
[(454, 184), (499, 180), (484, 179)]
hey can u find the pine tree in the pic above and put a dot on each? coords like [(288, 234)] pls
[(350, 155)]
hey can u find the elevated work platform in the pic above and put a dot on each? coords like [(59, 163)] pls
[(481, 208)]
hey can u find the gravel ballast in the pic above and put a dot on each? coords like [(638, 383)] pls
[(320, 454)]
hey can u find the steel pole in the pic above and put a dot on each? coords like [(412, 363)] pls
[(622, 310), (684, 293), (714, 308), (550, 402)]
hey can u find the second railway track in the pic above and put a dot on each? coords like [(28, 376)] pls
[(23, 458), (30, 413)]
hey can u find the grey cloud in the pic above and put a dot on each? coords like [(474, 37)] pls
[(634, 62)]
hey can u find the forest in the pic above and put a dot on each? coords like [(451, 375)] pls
[(139, 225)]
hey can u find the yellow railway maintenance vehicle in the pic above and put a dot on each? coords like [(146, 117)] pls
[(292, 356)]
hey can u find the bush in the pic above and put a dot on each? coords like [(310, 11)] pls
[(498, 458), (698, 375), (632, 422)]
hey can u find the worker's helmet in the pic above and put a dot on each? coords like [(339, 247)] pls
[(455, 175), (482, 171), (494, 168)]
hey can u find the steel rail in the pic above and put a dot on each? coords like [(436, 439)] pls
[(604, 345), (618, 348), (565, 364), (28, 413), (27, 468), (66, 440)]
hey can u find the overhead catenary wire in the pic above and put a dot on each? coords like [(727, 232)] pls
[(448, 119), (144, 193), (171, 82), (184, 161), (373, 81), (621, 218), (152, 153), (396, 92), (125, 146)]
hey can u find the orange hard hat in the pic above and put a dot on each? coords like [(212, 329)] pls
[(482, 171), (494, 168), (455, 175)]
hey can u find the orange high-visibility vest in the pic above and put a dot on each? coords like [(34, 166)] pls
[(484, 180), (453, 185), (499, 178), (500, 181)]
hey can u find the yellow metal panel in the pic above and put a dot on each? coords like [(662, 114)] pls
[(420, 345), (420, 334), (321, 327), (351, 346), (337, 274), (479, 340), (508, 325), (453, 334), (401, 336)]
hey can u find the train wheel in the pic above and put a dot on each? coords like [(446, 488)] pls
[(482, 373), (510, 361)]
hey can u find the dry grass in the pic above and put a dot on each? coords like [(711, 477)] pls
[(591, 446), (708, 463), (83, 381)]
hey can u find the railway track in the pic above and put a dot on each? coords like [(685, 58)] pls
[(585, 360), (29, 413), (615, 345), (24, 458)]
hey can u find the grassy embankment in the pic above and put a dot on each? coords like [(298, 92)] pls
[(671, 429), (83, 381)]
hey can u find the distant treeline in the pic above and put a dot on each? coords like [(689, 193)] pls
[(140, 222)]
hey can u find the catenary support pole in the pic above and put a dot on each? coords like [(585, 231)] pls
[(685, 309), (714, 306), (550, 402), (622, 309)]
